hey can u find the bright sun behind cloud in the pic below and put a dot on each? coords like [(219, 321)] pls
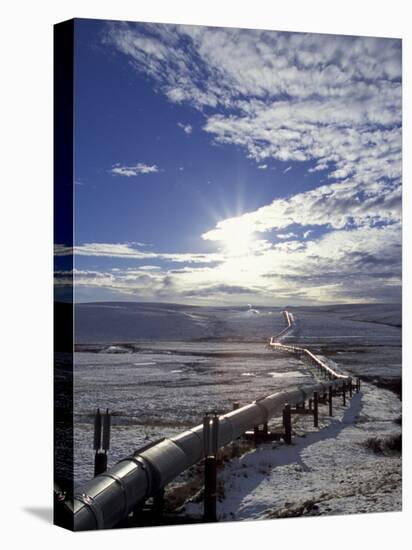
[(236, 237)]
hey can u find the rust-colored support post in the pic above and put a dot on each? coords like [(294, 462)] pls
[(287, 423), (316, 409), (330, 401)]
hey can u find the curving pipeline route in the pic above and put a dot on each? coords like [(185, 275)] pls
[(303, 353), (107, 499)]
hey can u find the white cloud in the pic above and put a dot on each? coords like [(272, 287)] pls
[(331, 101), (187, 128), (136, 170), (335, 205), (286, 170), (130, 251), (361, 264)]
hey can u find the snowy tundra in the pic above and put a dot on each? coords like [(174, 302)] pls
[(159, 367)]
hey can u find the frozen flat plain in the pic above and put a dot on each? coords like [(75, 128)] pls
[(166, 388), (159, 367)]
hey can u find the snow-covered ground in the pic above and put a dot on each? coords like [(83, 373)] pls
[(160, 367), (165, 388), (133, 321), (328, 470)]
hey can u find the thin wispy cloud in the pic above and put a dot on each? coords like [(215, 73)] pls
[(187, 128), (286, 170), (131, 251), (135, 170)]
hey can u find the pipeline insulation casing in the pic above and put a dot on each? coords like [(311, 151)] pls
[(107, 499)]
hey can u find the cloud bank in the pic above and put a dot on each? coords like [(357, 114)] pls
[(333, 102)]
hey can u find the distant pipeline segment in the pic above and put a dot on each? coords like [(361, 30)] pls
[(110, 497)]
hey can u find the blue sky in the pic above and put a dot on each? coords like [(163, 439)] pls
[(226, 166)]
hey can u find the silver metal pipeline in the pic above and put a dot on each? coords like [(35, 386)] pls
[(303, 352), (107, 499)]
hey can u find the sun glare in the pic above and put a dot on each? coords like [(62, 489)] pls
[(237, 238)]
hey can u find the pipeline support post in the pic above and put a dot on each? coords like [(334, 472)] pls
[(315, 409), (101, 441), (357, 385), (158, 503), (344, 394), (235, 447), (210, 440), (350, 387), (330, 401), (287, 423)]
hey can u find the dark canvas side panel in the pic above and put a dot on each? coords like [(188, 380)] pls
[(63, 266)]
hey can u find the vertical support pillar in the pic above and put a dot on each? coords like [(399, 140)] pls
[(350, 387), (158, 503), (97, 435), (357, 385), (107, 422), (316, 409), (330, 401), (210, 489), (100, 463), (235, 446), (211, 437), (256, 434), (287, 423), (101, 444), (344, 394)]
